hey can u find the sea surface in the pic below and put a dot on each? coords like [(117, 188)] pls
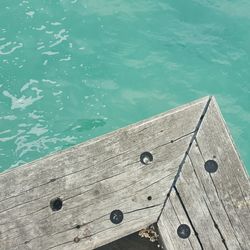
[(71, 70)]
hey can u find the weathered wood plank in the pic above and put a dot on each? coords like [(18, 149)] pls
[(104, 174), (231, 184), (171, 218), (191, 194), (216, 204), (92, 179), (212, 201)]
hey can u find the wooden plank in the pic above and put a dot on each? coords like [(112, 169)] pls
[(171, 218), (216, 205), (191, 193), (212, 201), (92, 179), (230, 185)]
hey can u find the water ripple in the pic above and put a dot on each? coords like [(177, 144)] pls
[(9, 47), (73, 70), (23, 101)]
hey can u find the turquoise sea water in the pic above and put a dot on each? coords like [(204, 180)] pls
[(71, 70)]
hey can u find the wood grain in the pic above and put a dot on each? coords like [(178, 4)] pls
[(215, 205), (171, 218), (92, 179), (96, 177), (230, 185)]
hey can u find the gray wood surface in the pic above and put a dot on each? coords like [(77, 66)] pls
[(104, 174), (171, 218), (214, 205), (230, 194), (92, 179)]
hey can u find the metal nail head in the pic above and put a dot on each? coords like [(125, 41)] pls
[(183, 231), (116, 216), (146, 158), (211, 166)]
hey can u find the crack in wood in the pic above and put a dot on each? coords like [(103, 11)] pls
[(188, 217), (186, 153), (217, 226), (140, 209), (217, 193), (175, 140), (199, 148), (224, 208)]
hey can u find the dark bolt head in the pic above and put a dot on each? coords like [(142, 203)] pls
[(116, 216), (211, 166), (183, 231), (146, 158), (56, 204)]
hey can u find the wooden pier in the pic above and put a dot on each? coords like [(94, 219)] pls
[(179, 169)]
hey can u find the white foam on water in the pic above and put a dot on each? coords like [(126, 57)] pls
[(60, 38), (42, 27), (41, 47), (5, 131), (28, 84), (55, 23), (45, 62), (57, 93), (14, 46), (4, 139), (24, 101), (30, 13), (38, 130), (68, 58), (8, 117), (50, 53), (48, 81), (49, 32)]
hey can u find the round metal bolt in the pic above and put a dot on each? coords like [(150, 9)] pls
[(146, 158), (116, 216), (183, 231), (211, 166), (56, 204)]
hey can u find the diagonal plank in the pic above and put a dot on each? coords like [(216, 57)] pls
[(171, 218), (188, 195), (230, 182), (93, 179), (214, 204)]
